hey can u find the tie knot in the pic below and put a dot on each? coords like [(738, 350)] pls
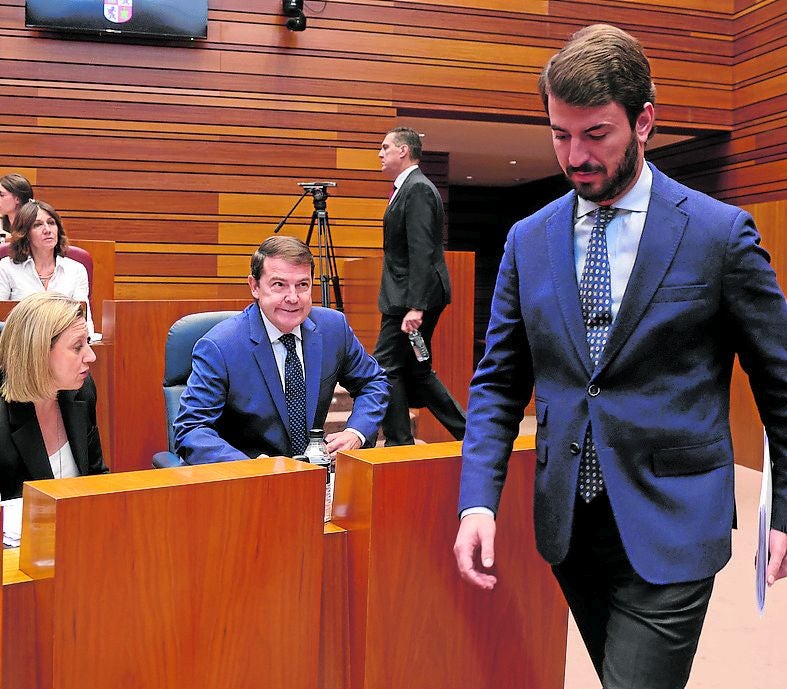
[(288, 340), (604, 215)]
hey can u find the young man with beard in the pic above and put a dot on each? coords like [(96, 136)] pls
[(623, 304)]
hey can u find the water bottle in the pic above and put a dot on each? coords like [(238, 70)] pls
[(316, 452), (419, 346)]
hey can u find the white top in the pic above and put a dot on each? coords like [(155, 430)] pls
[(19, 280), (62, 463), (400, 178)]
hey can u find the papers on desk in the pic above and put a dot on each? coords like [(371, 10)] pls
[(12, 522), (763, 530)]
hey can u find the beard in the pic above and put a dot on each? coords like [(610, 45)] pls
[(614, 185)]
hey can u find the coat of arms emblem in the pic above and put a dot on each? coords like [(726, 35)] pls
[(118, 11)]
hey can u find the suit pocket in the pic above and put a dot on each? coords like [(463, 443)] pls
[(681, 293), (692, 459)]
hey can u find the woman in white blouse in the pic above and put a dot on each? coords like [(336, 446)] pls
[(47, 397), (37, 260)]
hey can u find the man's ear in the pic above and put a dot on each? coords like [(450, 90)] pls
[(254, 286), (645, 121)]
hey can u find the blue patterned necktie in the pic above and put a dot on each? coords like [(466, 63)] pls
[(295, 395), (595, 297)]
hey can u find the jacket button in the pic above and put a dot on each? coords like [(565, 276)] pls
[(593, 390), (574, 448)]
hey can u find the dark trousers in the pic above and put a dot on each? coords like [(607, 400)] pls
[(639, 635), (413, 382)]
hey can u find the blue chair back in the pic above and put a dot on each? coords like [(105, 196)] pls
[(182, 337)]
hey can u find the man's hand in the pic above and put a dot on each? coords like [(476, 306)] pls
[(412, 320), (476, 536), (344, 440), (777, 563)]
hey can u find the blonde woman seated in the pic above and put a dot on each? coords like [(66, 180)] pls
[(47, 397), (37, 260)]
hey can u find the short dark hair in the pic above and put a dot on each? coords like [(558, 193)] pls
[(410, 138), (23, 223), (600, 64), (17, 185), (290, 249)]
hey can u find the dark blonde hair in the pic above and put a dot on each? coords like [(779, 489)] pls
[(30, 331), (23, 223), (600, 64), (290, 249)]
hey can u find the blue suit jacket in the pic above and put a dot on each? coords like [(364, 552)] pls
[(234, 407), (701, 290)]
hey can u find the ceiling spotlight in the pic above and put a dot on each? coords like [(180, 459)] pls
[(296, 19)]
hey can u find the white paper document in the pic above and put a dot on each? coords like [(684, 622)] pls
[(12, 522), (763, 529)]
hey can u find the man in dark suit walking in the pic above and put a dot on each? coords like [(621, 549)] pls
[(624, 303), (414, 290)]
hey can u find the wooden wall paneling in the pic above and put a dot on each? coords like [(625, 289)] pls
[(127, 137)]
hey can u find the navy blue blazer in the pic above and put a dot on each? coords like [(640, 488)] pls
[(702, 289), (234, 407), (23, 454)]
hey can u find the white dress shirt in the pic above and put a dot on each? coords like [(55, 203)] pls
[(280, 354), (19, 280), (400, 178)]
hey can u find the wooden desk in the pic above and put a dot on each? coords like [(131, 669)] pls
[(164, 571), (203, 577)]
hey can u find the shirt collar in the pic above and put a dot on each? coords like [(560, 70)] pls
[(402, 176), (635, 200), (273, 332)]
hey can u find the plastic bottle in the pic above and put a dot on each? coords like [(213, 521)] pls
[(316, 452), (419, 346)]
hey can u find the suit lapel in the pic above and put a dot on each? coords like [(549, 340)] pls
[(263, 354), (560, 247), (76, 422), (26, 436), (661, 236), (312, 358)]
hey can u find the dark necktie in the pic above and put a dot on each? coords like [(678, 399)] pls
[(391, 193), (295, 394), (595, 296)]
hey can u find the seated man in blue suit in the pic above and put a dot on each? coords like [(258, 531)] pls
[(622, 305), (262, 378)]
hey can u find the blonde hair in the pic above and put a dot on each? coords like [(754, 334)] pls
[(33, 326)]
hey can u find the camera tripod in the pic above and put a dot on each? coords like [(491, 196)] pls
[(326, 256)]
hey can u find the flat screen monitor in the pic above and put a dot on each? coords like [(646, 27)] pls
[(164, 18)]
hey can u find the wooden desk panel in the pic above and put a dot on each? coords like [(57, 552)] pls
[(138, 330), (414, 622), (131, 586)]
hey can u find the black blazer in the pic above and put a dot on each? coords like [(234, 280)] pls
[(414, 272), (23, 454)]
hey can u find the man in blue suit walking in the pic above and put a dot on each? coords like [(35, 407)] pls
[(623, 304), (261, 379)]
